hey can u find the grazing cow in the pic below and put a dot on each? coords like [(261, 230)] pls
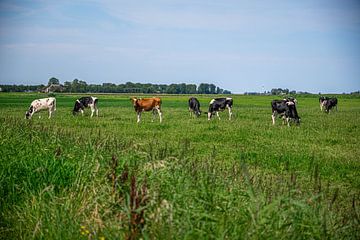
[(322, 101), (219, 104), (329, 103), (147, 104), (194, 107), (286, 109), (41, 104), (85, 102)]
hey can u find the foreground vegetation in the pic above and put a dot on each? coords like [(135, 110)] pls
[(108, 177)]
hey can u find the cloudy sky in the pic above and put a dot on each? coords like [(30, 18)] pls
[(237, 45)]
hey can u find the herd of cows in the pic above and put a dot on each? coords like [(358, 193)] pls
[(284, 108)]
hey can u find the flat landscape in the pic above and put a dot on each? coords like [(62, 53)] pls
[(107, 177)]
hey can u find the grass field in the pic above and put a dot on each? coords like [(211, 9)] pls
[(110, 178)]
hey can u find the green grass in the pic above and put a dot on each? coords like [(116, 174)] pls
[(80, 178)]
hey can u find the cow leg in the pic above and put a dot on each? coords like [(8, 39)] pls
[(160, 114), (52, 110), (138, 117), (82, 112), (93, 110), (230, 112), (288, 121), (153, 115), (273, 116), (217, 114)]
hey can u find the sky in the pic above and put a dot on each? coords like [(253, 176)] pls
[(241, 46)]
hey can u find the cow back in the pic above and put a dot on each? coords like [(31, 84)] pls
[(147, 104)]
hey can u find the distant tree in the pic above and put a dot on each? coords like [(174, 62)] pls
[(203, 88), (67, 86), (182, 88), (190, 88), (212, 89), (77, 85), (172, 89), (53, 81)]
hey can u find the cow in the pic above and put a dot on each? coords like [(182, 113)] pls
[(147, 104), (219, 104), (41, 104), (330, 103), (194, 107), (286, 109), (85, 102), (322, 101)]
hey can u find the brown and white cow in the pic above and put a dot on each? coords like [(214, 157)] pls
[(41, 104), (147, 104)]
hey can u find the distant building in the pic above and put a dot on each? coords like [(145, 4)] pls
[(53, 88)]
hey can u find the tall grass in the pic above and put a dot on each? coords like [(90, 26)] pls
[(108, 177)]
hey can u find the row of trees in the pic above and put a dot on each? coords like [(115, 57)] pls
[(79, 86), (21, 88), (277, 91)]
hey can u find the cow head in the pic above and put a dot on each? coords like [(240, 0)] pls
[(134, 101), (29, 113), (198, 113), (291, 99), (77, 107)]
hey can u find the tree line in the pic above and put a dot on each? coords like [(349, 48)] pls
[(80, 86), (277, 91)]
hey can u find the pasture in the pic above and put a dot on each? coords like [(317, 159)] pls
[(186, 178)]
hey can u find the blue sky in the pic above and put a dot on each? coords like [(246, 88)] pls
[(238, 45)]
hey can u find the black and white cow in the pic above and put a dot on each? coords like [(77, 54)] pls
[(330, 103), (84, 102), (286, 109), (41, 104), (322, 101), (219, 104), (194, 106)]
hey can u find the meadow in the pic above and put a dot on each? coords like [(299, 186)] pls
[(72, 177)]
